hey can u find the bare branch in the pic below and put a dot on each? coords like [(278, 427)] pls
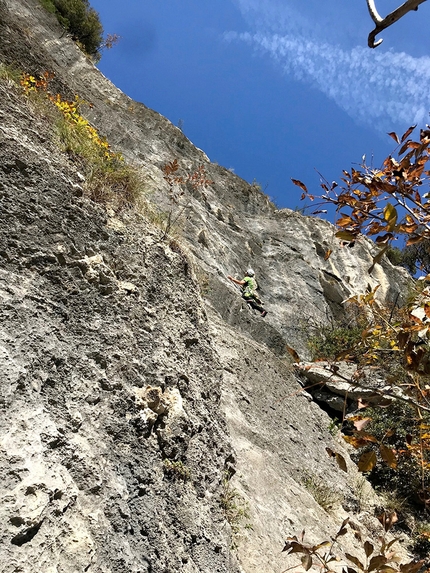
[(391, 18), (374, 12)]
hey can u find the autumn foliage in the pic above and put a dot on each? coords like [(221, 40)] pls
[(384, 203), (392, 437)]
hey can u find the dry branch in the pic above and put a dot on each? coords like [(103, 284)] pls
[(391, 18)]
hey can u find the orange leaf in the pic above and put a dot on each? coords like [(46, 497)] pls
[(293, 353), (344, 221), (414, 240), (355, 442), (414, 145)]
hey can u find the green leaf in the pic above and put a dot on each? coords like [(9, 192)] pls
[(306, 562)]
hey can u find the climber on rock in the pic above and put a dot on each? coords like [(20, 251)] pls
[(249, 288)]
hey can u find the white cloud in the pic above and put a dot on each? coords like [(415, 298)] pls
[(384, 89)]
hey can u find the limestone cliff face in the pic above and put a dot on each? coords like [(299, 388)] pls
[(125, 395)]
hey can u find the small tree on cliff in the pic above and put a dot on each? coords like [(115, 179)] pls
[(83, 22)]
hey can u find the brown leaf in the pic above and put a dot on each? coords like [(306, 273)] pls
[(343, 529), (327, 254), (367, 436), (330, 452), (408, 132), (320, 545), (377, 258), (411, 567), (388, 519), (427, 309), (292, 545), (344, 221), (414, 145), (356, 561), (341, 462), (388, 456), (404, 147), (403, 338), (394, 136), (376, 562), (355, 442), (293, 353), (300, 184), (382, 239), (367, 462), (368, 548)]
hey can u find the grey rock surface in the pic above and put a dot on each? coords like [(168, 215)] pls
[(113, 367), (101, 384)]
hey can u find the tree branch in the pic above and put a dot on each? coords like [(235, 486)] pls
[(391, 18)]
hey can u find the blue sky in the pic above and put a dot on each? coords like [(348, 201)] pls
[(274, 89)]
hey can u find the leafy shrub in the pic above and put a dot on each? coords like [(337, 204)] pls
[(81, 21), (109, 179), (404, 431), (373, 559), (329, 342)]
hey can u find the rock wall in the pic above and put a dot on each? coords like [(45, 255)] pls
[(112, 443), (126, 398)]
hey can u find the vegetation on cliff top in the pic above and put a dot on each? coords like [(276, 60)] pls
[(83, 23)]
